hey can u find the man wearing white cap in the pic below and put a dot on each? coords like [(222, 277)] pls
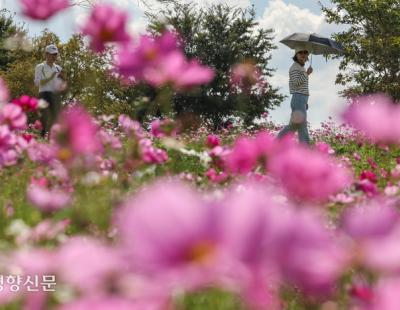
[(50, 80)]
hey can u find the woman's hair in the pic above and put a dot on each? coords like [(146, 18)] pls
[(295, 58)]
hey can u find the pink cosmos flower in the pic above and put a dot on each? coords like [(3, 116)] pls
[(28, 104), (7, 138), (8, 158), (386, 295), (48, 230), (309, 256), (43, 9), (375, 227), (158, 61), (114, 302), (375, 219), (4, 93), (212, 141), (78, 133), (324, 148), (132, 60), (88, 264), (42, 152), (175, 70), (106, 24), (368, 175), (246, 75), (47, 200), (216, 177), (168, 231), (130, 127), (366, 186), (243, 157), (314, 179), (247, 153), (13, 116), (110, 140), (377, 116), (163, 128), (150, 154)]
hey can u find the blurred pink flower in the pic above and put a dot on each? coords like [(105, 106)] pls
[(175, 70), (307, 174), (246, 75), (163, 128), (106, 24), (132, 60), (243, 157), (13, 116), (35, 261), (78, 134), (167, 230), (385, 295), (375, 228), (42, 152), (109, 139), (37, 125), (310, 256), (4, 93), (247, 152), (377, 116), (88, 265), (368, 175), (216, 177), (47, 200), (48, 230), (130, 127), (366, 186), (371, 220), (150, 154), (8, 158), (213, 141), (43, 9), (324, 148), (28, 104), (7, 138), (158, 61), (113, 302)]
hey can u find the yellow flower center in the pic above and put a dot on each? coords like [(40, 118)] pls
[(106, 35), (201, 252), (64, 154), (151, 54)]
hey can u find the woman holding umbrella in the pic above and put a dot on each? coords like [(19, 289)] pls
[(304, 44), (298, 86)]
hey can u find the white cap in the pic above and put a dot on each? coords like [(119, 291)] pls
[(52, 49)]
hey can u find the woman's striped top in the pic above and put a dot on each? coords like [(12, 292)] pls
[(298, 79)]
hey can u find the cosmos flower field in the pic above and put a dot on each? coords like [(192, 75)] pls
[(109, 213)]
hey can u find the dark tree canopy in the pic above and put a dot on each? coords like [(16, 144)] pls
[(220, 36), (8, 28), (372, 42)]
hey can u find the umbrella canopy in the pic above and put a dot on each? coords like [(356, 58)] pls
[(313, 43)]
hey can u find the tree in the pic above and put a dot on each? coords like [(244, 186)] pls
[(372, 42), (8, 28), (220, 36)]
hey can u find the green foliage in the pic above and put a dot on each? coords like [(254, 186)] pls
[(220, 36), (372, 42), (8, 28)]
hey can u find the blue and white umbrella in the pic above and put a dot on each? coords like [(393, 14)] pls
[(314, 43)]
